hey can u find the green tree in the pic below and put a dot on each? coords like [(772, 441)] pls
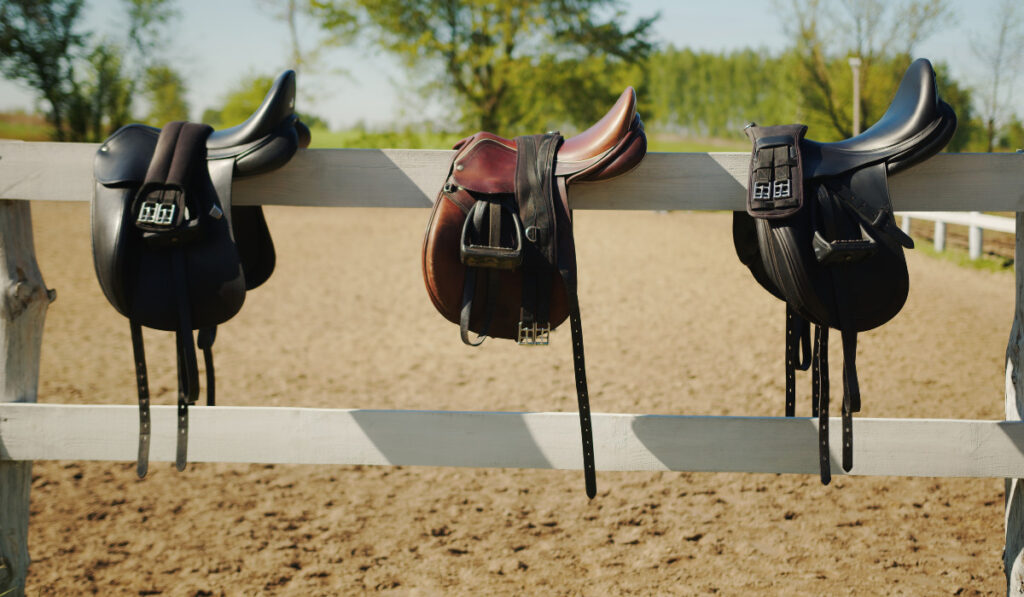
[(165, 91), (998, 51), (101, 101), (708, 94), (240, 102), (826, 32), (38, 44), (499, 61)]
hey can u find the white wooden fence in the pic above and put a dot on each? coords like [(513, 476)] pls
[(975, 221), (406, 178)]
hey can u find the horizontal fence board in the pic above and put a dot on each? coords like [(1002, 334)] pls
[(624, 442), (411, 178)]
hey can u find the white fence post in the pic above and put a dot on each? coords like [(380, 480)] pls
[(940, 236), (1013, 565), (974, 239), (905, 224), (23, 305)]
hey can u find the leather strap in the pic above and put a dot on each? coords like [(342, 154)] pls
[(580, 373), (205, 342), (469, 285), (822, 390), (798, 354), (851, 395), (142, 381), (188, 369), (831, 204)]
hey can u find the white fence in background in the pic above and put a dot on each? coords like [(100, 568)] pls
[(975, 221)]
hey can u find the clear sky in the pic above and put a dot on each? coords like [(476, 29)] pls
[(218, 42)]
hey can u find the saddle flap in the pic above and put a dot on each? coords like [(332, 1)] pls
[(775, 188), (123, 159), (487, 164)]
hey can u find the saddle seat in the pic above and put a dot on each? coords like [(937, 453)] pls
[(914, 127), (264, 142), (612, 146)]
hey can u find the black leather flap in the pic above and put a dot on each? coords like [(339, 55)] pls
[(123, 158)]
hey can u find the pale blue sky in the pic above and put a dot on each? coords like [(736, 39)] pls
[(219, 41)]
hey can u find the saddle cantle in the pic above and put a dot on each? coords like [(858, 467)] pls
[(170, 251), (819, 233), (499, 257)]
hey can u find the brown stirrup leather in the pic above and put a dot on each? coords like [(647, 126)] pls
[(499, 257)]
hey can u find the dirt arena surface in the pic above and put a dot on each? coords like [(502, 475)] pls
[(674, 324)]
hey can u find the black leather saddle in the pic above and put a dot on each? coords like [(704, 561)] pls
[(170, 251), (819, 233)]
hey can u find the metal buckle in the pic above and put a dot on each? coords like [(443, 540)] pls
[(534, 334), (157, 214), (762, 190), (781, 189)]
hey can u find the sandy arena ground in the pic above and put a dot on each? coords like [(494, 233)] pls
[(674, 324)]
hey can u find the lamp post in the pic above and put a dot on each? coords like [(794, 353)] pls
[(855, 67)]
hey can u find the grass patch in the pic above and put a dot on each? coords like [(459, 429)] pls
[(26, 127), (400, 139), (987, 262), (670, 143)]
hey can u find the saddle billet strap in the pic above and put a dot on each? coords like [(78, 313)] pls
[(851, 395), (535, 197), (798, 354), (205, 341), (822, 390), (188, 369), (142, 381), (580, 374)]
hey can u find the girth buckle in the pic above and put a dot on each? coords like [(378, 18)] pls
[(534, 334), (154, 213)]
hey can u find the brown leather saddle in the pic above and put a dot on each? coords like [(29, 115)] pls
[(499, 257)]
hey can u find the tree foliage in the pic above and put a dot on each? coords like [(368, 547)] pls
[(37, 47), (88, 87), (826, 33), (709, 94), (500, 61), (165, 90), (999, 53)]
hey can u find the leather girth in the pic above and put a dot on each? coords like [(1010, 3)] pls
[(180, 154)]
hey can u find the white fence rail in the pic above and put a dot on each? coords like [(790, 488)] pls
[(403, 178), (975, 221)]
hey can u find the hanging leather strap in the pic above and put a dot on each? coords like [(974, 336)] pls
[(188, 368), (580, 373), (205, 341), (851, 395), (469, 286), (798, 354), (142, 381), (820, 397)]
